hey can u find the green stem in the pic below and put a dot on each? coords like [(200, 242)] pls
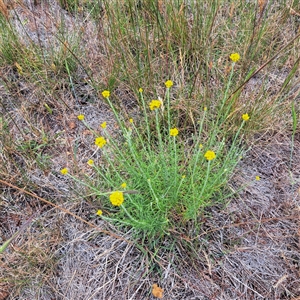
[(147, 151), (158, 132), (153, 193), (196, 205), (130, 217), (175, 160), (161, 149), (179, 186), (168, 108), (221, 114), (115, 112), (227, 88), (146, 118), (198, 148), (97, 192)]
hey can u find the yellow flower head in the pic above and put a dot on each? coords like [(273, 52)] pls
[(154, 104), (64, 171), (100, 141), (116, 198), (80, 117), (99, 212), (123, 185), (205, 108), (235, 57), (90, 162), (130, 120), (173, 132), (257, 178), (245, 117), (200, 146), (103, 125), (169, 83), (140, 90), (105, 94), (210, 155)]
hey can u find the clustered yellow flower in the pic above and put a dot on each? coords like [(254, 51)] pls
[(205, 108), (140, 90), (154, 104), (80, 117), (105, 94), (245, 117), (131, 120), (123, 185), (174, 132), (116, 198), (235, 57), (90, 162), (99, 212), (210, 155), (257, 178), (100, 141), (103, 125), (169, 83), (64, 171)]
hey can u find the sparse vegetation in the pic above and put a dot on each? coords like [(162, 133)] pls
[(154, 131)]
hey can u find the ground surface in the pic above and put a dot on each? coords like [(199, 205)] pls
[(249, 249)]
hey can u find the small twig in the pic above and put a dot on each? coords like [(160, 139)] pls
[(65, 211)]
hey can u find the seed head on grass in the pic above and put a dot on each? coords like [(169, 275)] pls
[(174, 132), (116, 198), (100, 141), (154, 104), (235, 57), (245, 117), (64, 171), (80, 117), (168, 84), (103, 125), (106, 94), (210, 155), (19, 68)]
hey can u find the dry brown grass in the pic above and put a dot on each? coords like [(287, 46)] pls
[(247, 249)]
